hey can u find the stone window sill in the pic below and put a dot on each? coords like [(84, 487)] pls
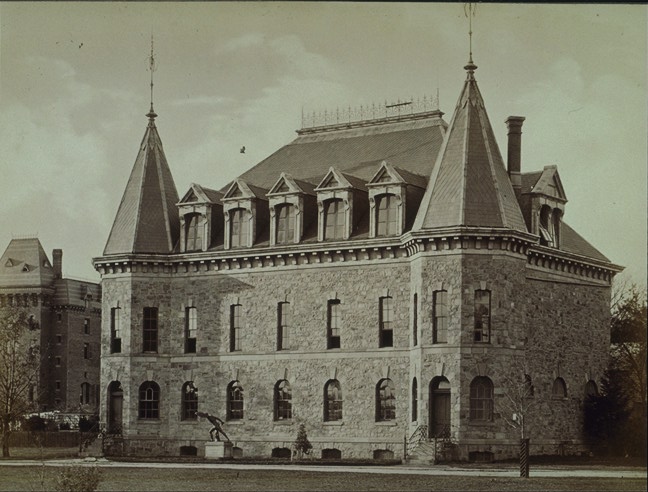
[(149, 421), (334, 423), (283, 422), (386, 423), (234, 422)]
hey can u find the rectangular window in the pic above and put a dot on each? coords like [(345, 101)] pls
[(150, 330), (86, 326), (415, 320), (440, 317), (482, 316), (235, 327), (58, 385), (59, 339), (59, 317), (57, 361), (334, 219), (283, 312), (239, 226), (191, 328), (115, 330), (333, 324), (86, 350), (386, 322)]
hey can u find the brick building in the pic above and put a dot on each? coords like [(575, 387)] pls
[(374, 279), (68, 314)]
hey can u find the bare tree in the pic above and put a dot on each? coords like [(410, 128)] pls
[(628, 349), (516, 407), (19, 367)]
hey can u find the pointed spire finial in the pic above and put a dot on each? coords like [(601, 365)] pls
[(469, 10), (152, 67)]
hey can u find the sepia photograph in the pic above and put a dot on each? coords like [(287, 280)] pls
[(323, 245)]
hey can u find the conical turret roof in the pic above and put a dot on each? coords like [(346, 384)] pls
[(147, 219), (469, 185)]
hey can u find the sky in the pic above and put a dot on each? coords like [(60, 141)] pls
[(75, 89)]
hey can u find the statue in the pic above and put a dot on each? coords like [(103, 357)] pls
[(216, 422)]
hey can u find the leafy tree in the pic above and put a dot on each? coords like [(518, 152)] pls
[(302, 444), (19, 366)]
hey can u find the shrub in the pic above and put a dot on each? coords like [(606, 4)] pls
[(302, 444), (35, 423), (78, 479)]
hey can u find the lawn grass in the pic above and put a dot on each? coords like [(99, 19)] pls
[(37, 478)]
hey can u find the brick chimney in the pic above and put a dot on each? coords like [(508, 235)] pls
[(57, 257), (514, 124)]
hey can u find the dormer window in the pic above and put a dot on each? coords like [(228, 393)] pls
[(547, 205), (285, 225), (199, 210), (239, 228), (195, 233), (245, 209), (388, 192), (290, 201), (334, 219), (387, 216), (340, 205), (546, 226)]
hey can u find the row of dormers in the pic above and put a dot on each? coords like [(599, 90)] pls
[(340, 207), (292, 211)]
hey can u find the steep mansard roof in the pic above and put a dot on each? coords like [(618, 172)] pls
[(412, 144), (469, 185), (147, 219), (25, 264)]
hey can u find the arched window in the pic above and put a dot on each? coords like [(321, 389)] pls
[(189, 401), (591, 389), (385, 401), (557, 216), (149, 400), (282, 400), (239, 228), (332, 401), (414, 400), (559, 389), (481, 399), (387, 216), (234, 401), (285, 216), (195, 233), (334, 219)]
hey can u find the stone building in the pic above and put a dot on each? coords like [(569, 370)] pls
[(67, 313), (375, 279)]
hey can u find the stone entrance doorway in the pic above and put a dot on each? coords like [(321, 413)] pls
[(439, 407), (115, 407)]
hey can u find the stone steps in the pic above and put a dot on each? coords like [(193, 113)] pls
[(423, 455)]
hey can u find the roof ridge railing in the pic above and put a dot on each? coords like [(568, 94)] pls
[(24, 236), (389, 111)]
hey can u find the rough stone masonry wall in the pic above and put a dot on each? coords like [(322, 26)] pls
[(569, 330), (559, 325), (358, 365)]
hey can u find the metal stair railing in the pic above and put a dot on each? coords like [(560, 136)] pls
[(419, 435)]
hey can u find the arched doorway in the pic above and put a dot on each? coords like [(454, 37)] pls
[(115, 407), (439, 407)]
